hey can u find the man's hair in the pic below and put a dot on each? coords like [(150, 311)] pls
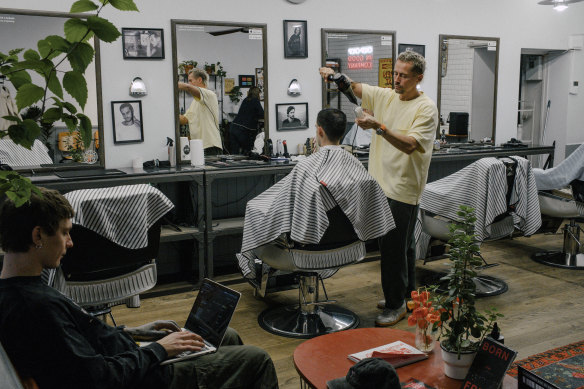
[(127, 105), (254, 92), (334, 123), (17, 223), (196, 72), (417, 60), (290, 108)]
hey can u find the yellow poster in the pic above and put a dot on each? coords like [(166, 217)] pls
[(385, 72), (229, 84)]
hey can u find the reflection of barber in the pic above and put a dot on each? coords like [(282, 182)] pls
[(203, 113), (294, 42), (291, 121), (130, 128), (244, 127), (154, 45)]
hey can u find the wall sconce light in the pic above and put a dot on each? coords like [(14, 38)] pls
[(138, 88), (294, 88)]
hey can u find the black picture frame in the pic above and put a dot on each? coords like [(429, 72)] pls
[(420, 49), (246, 80), (143, 43), (133, 131), (295, 39), (298, 120)]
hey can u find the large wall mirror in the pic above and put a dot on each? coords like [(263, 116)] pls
[(235, 57), (467, 87), (57, 147), (364, 56)]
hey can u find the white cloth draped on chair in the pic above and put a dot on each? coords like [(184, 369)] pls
[(570, 169)]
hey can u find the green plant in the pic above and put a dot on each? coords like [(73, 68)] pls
[(75, 146), (462, 327), (35, 113), (52, 52), (185, 66), (219, 70), (235, 95)]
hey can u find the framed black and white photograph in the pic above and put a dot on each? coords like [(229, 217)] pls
[(420, 49), (292, 116), (295, 42), (127, 121), (143, 43)]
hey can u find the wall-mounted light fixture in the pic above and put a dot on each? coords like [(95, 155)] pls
[(138, 88), (294, 88)]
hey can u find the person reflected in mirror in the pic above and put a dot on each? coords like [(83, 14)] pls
[(130, 127), (405, 122), (291, 121), (295, 42), (154, 45), (55, 342), (202, 116), (244, 127)]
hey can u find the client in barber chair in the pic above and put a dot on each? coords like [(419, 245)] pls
[(296, 207), (52, 340)]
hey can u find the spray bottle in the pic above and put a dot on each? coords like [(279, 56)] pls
[(171, 152)]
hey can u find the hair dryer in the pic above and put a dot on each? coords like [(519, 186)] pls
[(344, 84)]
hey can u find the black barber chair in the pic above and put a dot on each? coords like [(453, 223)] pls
[(311, 317)]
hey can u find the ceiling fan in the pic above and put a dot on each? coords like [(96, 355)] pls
[(230, 31), (559, 5)]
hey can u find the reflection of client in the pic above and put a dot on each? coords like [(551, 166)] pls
[(129, 128), (291, 121)]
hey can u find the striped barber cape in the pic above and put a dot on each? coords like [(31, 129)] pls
[(298, 204), (122, 214)]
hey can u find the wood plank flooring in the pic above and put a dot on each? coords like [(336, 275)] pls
[(543, 307)]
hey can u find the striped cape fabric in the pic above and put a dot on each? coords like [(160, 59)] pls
[(298, 204), (122, 214), (16, 155)]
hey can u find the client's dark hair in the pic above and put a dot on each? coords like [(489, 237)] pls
[(334, 123), (17, 223)]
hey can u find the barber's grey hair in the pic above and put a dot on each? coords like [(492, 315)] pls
[(196, 72), (417, 60)]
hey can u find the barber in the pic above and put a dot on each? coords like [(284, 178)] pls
[(405, 121), (203, 113)]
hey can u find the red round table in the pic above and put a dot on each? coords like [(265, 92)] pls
[(324, 358)]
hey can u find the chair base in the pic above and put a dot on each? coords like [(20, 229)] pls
[(486, 286), (291, 322), (560, 259)]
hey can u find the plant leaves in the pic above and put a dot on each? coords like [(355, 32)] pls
[(70, 122), (83, 6), (76, 29), (31, 55), (18, 188), (69, 107), (85, 129), (103, 29), (24, 133), (19, 78), (28, 94), (52, 114), (58, 43), (54, 84), (76, 86), (80, 57), (12, 118), (124, 5)]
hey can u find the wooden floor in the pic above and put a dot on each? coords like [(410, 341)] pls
[(543, 307)]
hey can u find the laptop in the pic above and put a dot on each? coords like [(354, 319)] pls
[(210, 316)]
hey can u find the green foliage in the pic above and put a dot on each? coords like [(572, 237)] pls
[(462, 326), (16, 187), (235, 95)]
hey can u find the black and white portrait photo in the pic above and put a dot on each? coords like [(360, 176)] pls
[(127, 121), (295, 42), (292, 116), (143, 43)]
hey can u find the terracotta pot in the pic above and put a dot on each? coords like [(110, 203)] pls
[(455, 367)]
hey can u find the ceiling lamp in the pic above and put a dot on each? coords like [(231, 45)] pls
[(559, 5)]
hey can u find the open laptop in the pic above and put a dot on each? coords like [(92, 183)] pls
[(210, 316)]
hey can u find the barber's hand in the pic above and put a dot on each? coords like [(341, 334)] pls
[(368, 122), (153, 331), (178, 342), (325, 72)]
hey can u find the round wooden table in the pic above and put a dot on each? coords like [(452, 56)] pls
[(324, 358)]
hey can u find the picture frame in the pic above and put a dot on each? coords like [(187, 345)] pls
[(420, 49), (143, 43), (295, 39), (259, 81), (246, 80), (127, 121), (291, 116)]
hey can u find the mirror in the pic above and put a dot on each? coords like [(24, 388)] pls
[(467, 87), (235, 57), (364, 56), (23, 29)]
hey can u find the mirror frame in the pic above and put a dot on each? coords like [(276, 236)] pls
[(98, 90), (323, 37), (441, 38), (173, 25)]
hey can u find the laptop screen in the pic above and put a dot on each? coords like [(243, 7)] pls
[(212, 311)]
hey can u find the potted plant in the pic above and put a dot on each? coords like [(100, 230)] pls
[(219, 70), (235, 95), (186, 66), (462, 327)]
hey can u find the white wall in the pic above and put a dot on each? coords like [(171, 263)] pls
[(518, 23)]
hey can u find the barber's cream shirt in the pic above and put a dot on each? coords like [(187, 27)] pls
[(203, 117)]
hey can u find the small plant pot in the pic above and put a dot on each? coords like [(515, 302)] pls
[(453, 366)]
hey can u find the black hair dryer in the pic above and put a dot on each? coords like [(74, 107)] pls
[(344, 85)]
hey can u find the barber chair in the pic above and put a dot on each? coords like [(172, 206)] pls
[(10, 378), (560, 208), (338, 247), (98, 274), (437, 226)]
